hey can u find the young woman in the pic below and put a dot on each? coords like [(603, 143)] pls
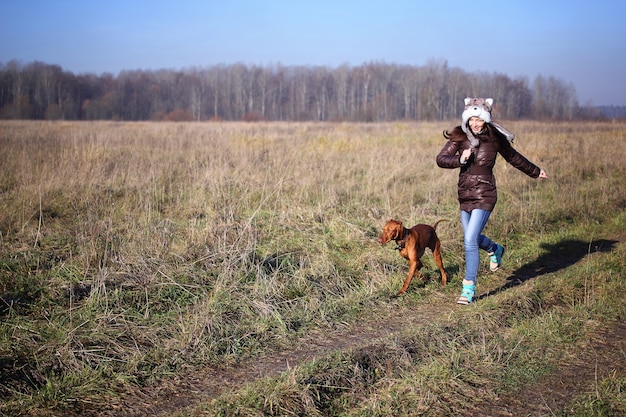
[(473, 148)]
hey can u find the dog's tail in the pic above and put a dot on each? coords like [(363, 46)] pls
[(439, 221)]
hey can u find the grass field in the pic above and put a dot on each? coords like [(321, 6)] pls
[(136, 254)]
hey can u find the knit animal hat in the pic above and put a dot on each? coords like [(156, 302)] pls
[(477, 107), (481, 108)]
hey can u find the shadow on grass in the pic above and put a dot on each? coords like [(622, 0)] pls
[(556, 257)]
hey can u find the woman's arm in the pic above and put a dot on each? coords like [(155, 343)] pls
[(519, 161), (449, 156)]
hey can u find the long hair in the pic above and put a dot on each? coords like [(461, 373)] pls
[(493, 133)]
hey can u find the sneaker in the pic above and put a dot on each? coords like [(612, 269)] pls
[(495, 258), (467, 295)]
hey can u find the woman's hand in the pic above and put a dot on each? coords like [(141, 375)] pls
[(465, 156), (542, 174)]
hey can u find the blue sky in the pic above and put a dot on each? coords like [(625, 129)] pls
[(578, 42)]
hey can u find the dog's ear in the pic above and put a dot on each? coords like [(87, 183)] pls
[(397, 229)]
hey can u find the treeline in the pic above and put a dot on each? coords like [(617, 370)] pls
[(613, 112), (370, 92)]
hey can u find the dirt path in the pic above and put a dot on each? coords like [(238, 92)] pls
[(594, 360), (576, 375), (188, 390), (605, 353)]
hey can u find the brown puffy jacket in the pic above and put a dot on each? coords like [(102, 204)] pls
[(477, 184)]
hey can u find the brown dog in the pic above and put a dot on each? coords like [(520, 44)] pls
[(412, 243)]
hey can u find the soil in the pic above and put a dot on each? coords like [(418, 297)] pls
[(577, 374), (603, 354)]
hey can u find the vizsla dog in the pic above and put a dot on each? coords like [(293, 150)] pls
[(412, 243)]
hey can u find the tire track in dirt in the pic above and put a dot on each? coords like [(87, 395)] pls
[(605, 353), (187, 390), (578, 374), (594, 360)]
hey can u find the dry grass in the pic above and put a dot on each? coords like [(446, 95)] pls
[(130, 251)]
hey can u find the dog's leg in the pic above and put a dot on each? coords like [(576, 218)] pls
[(413, 270), (439, 262)]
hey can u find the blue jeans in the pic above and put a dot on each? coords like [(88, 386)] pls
[(473, 224)]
